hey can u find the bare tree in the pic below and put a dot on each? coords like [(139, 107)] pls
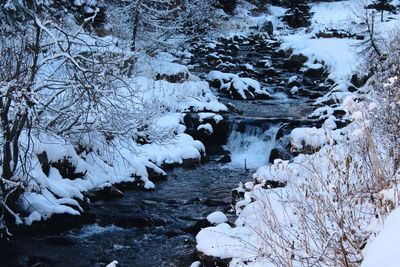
[(57, 79), (157, 24)]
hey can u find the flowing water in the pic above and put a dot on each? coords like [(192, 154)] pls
[(158, 228), (250, 146)]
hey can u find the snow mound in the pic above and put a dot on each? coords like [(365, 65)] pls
[(217, 217)]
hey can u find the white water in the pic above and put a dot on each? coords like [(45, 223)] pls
[(251, 148)]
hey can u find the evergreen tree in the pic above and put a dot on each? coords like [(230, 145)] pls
[(298, 14), (382, 6)]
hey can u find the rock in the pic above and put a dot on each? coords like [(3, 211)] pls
[(270, 72), (106, 193), (281, 53), (267, 26), (269, 184), (225, 159), (190, 163), (338, 33), (237, 194), (211, 58), (296, 61), (293, 81), (315, 71), (173, 78), (187, 163), (359, 81), (59, 223), (66, 168), (308, 82), (155, 176), (277, 153), (338, 113), (196, 227), (233, 47), (241, 88)]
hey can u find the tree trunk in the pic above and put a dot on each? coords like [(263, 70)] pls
[(135, 28)]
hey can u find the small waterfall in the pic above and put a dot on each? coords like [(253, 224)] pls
[(251, 145)]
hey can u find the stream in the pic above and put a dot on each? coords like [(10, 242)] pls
[(158, 228)]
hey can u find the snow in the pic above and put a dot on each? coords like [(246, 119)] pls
[(113, 264), (341, 58), (313, 137), (338, 54), (217, 217), (331, 15), (384, 250), (195, 264), (242, 86), (206, 115), (168, 68), (292, 79), (207, 127), (226, 242)]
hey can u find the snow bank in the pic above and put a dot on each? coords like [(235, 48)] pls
[(384, 250), (338, 54)]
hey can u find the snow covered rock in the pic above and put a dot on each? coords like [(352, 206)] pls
[(171, 72), (296, 61), (206, 128), (316, 70), (217, 217), (308, 137), (237, 87)]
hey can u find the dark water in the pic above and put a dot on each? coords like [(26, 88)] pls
[(158, 228), (174, 207)]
